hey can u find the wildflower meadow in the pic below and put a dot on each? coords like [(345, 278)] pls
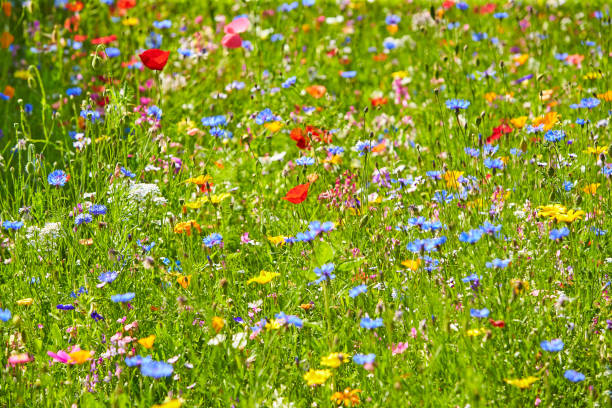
[(315, 203)]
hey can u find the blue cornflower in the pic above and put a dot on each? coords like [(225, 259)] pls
[(305, 161), (362, 359), (154, 40), (78, 293), (84, 218), (554, 135), (57, 178), (289, 82), (98, 209), (65, 307), (156, 369), (358, 290), (127, 173), (598, 231), (568, 185), (335, 150), (479, 313), (308, 3), (220, 133), (290, 319), (28, 108), (155, 111), (489, 228), (501, 15), (456, 104), (470, 151), (264, 116), (214, 121), (574, 376), (479, 36), (606, 170), (96, 316), (5, 315), (493, 163), (108, 277), (137, 360), (471, 236), (498, 263), (276, 37), (435, 174), (317, 227), (212, 240), (462, 5), (392, 19), (123, 297), (112, 52), (489, 150), (306, 236), (443, 196), (589, 103), (369, 324), (162, 24), (389, 43), (324, 273), (473, 277), (552, 345), (348, 74), (92, 115), (76, 91), (581, 122), (558, 234), (534, 129), (363, 147), (14, 225)]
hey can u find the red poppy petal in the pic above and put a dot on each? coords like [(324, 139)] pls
[(232, 41), (155, 59), (297, 194), (239, 25)]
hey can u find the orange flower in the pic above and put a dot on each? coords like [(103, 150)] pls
[(575, 59), (348, 397), (186, 227), (411, 264), (9, 91), (520, 59), (549, 120), (7, 7), (147, 342), (184, 281), (379, 101), (591, 188), (519, 122), (306, 306), (392, 29), (490, 96), (6, 39), (379, 57), (80, 356), (606, 96), (316, 91), (218, 323)]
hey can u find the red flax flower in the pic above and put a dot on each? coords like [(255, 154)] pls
[(155, 59), (297, 194)]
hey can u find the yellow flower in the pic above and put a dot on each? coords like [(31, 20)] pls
[(147, 342), (399, 74), (490, 96), (132, 21), (592, 75), (25, 302), (184, 281), (80, 356), (591, 188), (335, 159), (274, 324), (278, 240), (519, 286), (23, 74), (175, 403), (519, 122), (551, 210), (200, 180), (334, 360), (606, 96), (273, 127), (522, 383), (451, 178), (348, 397), (263, 278), (218, 323), (476, 332), (186, 227), (412, 264), (316, 377), (570, 217), (597, 150)]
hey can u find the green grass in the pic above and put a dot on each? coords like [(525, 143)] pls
[(451, 358)]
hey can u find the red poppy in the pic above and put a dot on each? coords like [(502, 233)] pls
[(126, 4), (302, 142), (80, 38), (378, 101), (155, 59), (497, 323), (297, 194), (319, 135), (75, 7), (498, 132), (104, 40), (448, 4)]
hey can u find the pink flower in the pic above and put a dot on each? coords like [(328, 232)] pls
[(22, 358), (399, 348)]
